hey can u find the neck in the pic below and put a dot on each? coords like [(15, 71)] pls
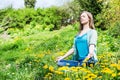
[(86, 26)]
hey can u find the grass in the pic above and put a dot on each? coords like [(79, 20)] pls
[(30, 54)]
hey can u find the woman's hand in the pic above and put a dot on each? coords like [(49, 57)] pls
[(59, 58), (66, 55), (90, 55)]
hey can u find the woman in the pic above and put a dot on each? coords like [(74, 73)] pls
[(84, 47)]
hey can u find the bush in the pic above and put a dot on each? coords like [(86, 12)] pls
[(51, 17)]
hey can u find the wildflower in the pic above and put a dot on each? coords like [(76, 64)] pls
[(67, 78), (113, 75), (41, 55), (58, 72), (118, 67), (84, 64), (119, 74), (100, 77), (91, 65), (113, 65), (51, 68), (89, 79), (74, 69), (92, 75), (63, 68), (61, 53), (86, 77), (45, 67), (118, 61), (107, 70)]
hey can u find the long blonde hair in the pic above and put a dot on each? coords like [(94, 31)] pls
[(91, 21)]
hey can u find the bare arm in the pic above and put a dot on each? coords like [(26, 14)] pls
[(66, 55), (91, 51)]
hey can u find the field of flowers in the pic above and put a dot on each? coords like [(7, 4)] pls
[(30, 54), (108, 68)]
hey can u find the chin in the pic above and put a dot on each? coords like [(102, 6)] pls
[(84, 23)]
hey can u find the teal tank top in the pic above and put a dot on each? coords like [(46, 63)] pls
[(82, 46)]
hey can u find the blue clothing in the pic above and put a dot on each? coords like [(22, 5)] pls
[(82, 46), (72, 63), (88, 38), (81, 49)]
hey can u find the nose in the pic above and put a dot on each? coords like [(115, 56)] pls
[(81, 18)]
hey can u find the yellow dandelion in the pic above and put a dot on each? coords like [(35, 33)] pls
[(63, 68), (118, 61), (86, 77), (89, 79), (119, 74), (113, 65), (84, 70), (61, 53), (74, 69), (84, 64), (107, 70), (45, 67), (92, 75), (113, 75), (41, 55), (58, 72), (118, 67), (67, 78), (91, 65), (51, 68), (100, 77)]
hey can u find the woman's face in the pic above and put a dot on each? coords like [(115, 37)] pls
[(84, 18)]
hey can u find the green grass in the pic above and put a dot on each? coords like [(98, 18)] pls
[(23, 56)]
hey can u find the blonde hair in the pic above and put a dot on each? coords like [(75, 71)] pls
[(91, 21)]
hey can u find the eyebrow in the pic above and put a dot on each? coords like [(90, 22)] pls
[(81, 15)]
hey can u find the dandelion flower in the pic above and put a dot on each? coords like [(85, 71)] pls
[(45, 67), (67, 78)]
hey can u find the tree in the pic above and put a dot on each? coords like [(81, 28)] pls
[(30, 3), (109, 15)]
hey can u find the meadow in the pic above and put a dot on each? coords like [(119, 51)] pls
[(31, 40), (30, 54)]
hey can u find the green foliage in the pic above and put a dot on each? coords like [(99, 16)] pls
[(109, 14), (30, 3), (114, 30), (110, 43), (34, 49), (94, 6), (50, 18), (18, 43), (24, 55)]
